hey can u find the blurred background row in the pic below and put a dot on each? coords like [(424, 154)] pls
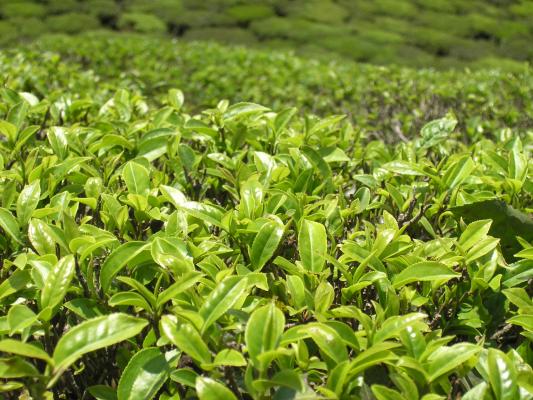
[(440, 33)]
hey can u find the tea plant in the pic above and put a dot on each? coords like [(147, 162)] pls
[(246, 253)]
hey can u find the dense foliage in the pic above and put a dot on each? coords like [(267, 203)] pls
[(407, 32), (236, 251), (388, 103)]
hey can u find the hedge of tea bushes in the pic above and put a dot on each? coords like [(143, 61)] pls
[(389, 103), (152, 246), (447, 33)]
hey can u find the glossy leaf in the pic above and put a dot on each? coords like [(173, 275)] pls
[(221, 299), (92, 335), (9, 225), (209, 389), (118, 259), (137, 178), (263, 331), (186, 338), (446, 359), (265, 244), (27, 201), (57, 282), (424, 271), (24, 349), (312, 245), (144, 375)]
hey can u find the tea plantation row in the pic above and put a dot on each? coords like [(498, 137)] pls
[(408, 32), (160, 247), (388, 103)]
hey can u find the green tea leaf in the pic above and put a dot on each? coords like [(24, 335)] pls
[(137, 178), (57, 282), (186, 338), (41, 237), (144, 375), (263, 331), (502, 375), (92, 335), (312, 245), (209, 389), (473, 233), (424, 271), (9, 224), (27, 201), (265, 244), (222, 298), (24, 349), (394, 325), (118, 259), (184, 282), (328, 340), (445, 359)]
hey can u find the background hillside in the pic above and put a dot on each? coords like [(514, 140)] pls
[(442, 33)]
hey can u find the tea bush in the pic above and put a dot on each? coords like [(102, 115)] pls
[(152, 248)]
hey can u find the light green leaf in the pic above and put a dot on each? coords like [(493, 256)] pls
[(186, 338), (92, 335), (222, 298), (265, 244), (27, 201), (526, 253), (405, 168), (41, 237), (9, 224), (204, 212), (376, 354), (424, 271), (446, 359), (473, 233), (172, 253), (184, 282), (17, 281), (523, 320), (137, 178), (8, 130), (458, 172), (328, 340), (19, 317), (209, 389), (393, 326), (16, 367), (263, 331), (476, 393), (230, 357), (252, 193), (102, 392), (481, 248), (175, 196), (118, 259), (129, 299), (144, 375), (384, 393), (24, 349), (240, 110), (502, 375), (312, 245), (57, 282)]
